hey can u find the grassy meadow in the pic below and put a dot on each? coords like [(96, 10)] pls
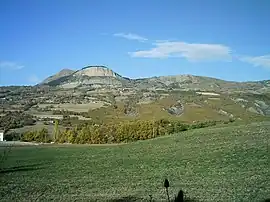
[(222, 163)]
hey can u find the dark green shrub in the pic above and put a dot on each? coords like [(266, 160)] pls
[(12, 136)]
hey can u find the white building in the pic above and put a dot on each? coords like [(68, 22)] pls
[(1, 135)]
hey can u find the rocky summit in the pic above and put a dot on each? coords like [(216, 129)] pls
[(89, 75), (96, 71)]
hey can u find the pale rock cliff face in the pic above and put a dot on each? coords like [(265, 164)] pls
[(96, 71), (86, 76)]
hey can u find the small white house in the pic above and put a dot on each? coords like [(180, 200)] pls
[(1, 136)]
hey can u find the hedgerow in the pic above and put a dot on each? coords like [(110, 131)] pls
[(126, 131)]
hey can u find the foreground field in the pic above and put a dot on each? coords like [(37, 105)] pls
[(225, 163)]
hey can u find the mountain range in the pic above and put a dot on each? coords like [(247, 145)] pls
[(102, 76)]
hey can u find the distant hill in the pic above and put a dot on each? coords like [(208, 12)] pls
[(103, 77), (89, 75), (59, 75), (102, 95)]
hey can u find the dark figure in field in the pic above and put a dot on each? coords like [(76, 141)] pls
[(180, 197)]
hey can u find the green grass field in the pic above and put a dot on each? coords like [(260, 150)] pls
[(223, 163)]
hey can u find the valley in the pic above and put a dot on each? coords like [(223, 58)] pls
[(99, 95)]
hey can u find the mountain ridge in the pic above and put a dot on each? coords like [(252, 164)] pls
[(114, 74), (102, 77)]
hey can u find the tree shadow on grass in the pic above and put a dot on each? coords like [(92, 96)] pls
[(182, 198), (189, 200), (136, 199), (20, 168), (127, 199)]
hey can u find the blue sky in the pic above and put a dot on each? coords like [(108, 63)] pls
[(223, 39)]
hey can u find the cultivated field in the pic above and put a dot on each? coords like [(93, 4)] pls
[(38, 126), (224, 163), (74, 107), (59, 116), (79, 107)]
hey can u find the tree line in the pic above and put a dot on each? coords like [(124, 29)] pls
[(126, 131)]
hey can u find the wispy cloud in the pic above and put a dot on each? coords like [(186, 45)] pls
[(257, 61), (190, 51), (33, 79), (130, 36), (10, 65)]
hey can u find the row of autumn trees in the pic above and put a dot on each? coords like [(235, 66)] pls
[(127, 131), (37, 136)]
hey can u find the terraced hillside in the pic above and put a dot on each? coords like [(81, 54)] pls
[(98, 94)]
